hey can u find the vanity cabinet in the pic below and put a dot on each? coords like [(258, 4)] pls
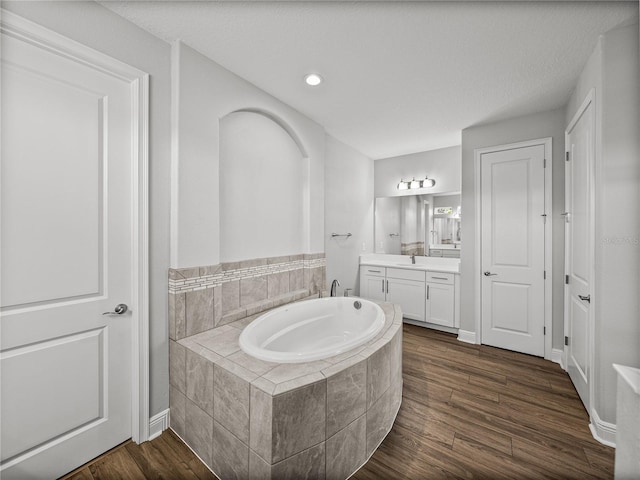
[(424, 296), (373, 283), (444, 252), (440, 299), (407, 289)]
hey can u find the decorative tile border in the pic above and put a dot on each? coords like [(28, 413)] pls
[(201, 298), (198, 278)]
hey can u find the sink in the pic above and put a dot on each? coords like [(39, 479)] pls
[(409, 265)]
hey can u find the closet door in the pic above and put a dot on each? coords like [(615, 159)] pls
[(579, 248), (513, 249)]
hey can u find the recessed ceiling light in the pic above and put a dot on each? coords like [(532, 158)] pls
[(313, 79)]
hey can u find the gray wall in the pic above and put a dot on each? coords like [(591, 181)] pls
[(206, 92), (530, 127), (443, 165), (613, 71), (348, 208), (95, 26)]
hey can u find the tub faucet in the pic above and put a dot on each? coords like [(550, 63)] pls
[(413, 259), (334, 286)]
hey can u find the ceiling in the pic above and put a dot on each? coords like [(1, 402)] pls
[(400, 77)]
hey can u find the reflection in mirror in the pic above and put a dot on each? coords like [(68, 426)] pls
[(418, 225), (446, 221)]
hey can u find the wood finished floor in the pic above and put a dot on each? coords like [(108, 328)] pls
[(467, 412)]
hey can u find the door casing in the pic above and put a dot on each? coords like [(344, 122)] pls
[(19, 27), (548, 237)]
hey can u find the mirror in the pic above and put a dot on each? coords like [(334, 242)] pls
[(418, 225)]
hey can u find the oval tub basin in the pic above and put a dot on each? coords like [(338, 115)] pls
[(312, 329)]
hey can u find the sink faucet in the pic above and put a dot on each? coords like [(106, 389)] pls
[(413, 259), (334, 286)]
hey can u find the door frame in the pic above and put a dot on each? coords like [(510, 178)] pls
[(548, 235), (35, 34), (589, 100)]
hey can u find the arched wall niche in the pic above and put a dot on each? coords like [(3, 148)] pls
[(264, 187)]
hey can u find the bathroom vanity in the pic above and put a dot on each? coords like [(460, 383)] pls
[(428, 291)]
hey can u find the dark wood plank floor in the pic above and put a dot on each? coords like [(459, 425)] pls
[(473, 411), (164, 457), (468, 411)]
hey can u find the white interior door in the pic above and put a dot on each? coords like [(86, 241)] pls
[(67, 253), (513, 239), (580, 145)]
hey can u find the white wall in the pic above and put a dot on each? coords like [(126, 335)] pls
[(613, 71), (530, 127), (443, 165), (446, 201), (204, 92), (91, 24), (261, 189), (349, 209), (387, 225), (410, 213)]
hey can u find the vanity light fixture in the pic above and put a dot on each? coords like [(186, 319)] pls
[(313, 79), (403, 185), (428, 182), (416, 184)]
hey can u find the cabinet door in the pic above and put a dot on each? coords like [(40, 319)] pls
[(440, 304), (372, 287), (410, 295)]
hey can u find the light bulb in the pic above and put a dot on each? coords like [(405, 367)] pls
[(313, 79)]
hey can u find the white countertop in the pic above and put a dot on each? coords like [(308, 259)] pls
[(431, 264)]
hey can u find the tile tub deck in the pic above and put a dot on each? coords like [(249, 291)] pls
[(251, 419)]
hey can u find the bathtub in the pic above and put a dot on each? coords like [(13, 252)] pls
[(312, 330)]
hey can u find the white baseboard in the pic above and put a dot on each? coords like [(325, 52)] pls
[(158, 424), (466, 336), (557, 356), (602, 431)]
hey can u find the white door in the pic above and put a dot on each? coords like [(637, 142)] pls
[(67, 249), (513, 297), (580, 145)]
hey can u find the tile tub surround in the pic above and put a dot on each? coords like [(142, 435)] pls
[(320, 419), (201, 298)]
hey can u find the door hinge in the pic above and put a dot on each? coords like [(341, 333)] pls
[(566, 340), (544, 163), (566, 279), (544, 330), (545, 275), (566, 157)]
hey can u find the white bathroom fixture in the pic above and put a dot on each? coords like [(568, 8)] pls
[(312, 330), (416, 184)]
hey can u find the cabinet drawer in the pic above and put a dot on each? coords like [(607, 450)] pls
[(373, 271), (437, 277), (405, 274), (435, 252), (455, 253)]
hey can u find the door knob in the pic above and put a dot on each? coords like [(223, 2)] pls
[(120, 309), (585, 298), (489, 274)]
